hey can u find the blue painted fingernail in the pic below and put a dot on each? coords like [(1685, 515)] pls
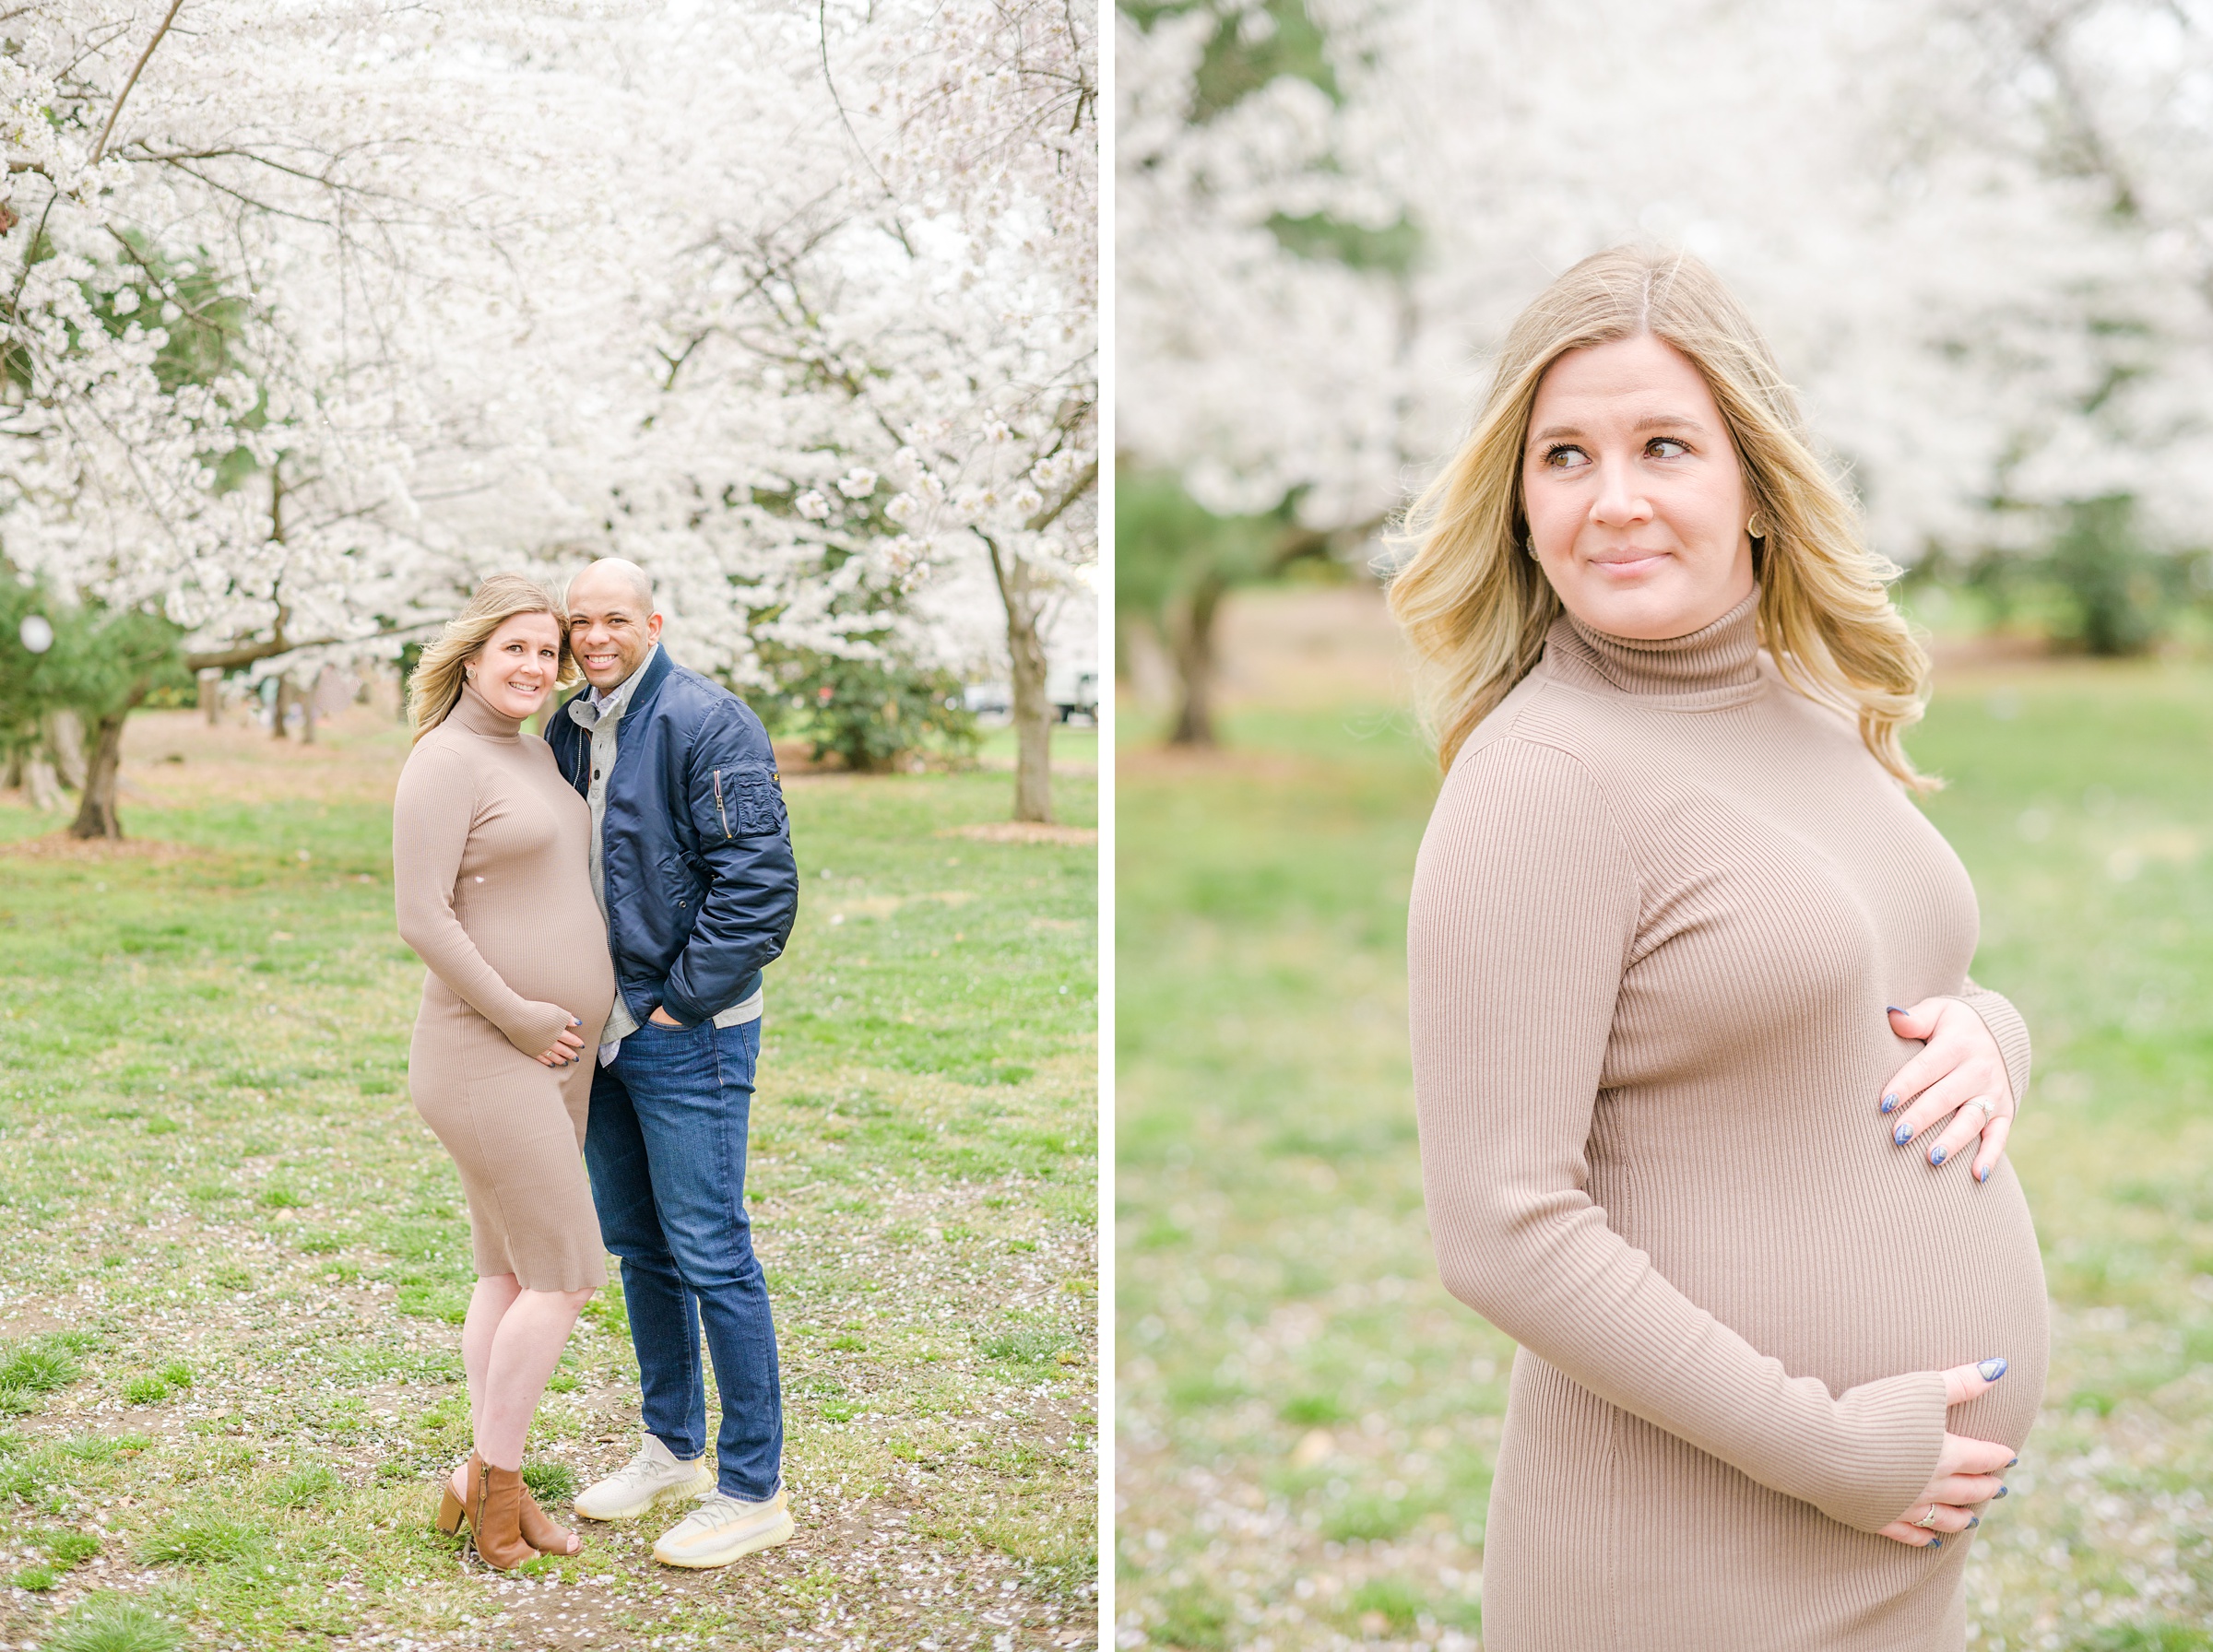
[(1894, 1010), (1889, 1102), (1973, 1521), (1935, 1542), (2011, 1461), (1982, 1175), (1903, 1134), (1938, 1156), (1991, 1370)]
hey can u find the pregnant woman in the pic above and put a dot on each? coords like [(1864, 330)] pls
[(489, 858), (1711, 1116)]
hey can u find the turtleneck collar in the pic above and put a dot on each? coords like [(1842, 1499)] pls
[(474, 712), (1715, 666)]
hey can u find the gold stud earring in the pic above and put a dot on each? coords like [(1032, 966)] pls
[(1756, 529)]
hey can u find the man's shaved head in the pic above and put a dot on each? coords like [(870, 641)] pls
[(612, 626), (634, 579)]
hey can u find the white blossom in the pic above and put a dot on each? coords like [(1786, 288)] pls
[(1973, 232), (531, 281)]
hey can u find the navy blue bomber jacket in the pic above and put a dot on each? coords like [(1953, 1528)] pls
[(701, 888)]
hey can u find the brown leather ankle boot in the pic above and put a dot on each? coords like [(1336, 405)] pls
[(496, 1505), (541, 1533), (452, 1513)]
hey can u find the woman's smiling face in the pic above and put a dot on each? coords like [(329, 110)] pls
[(1634, 496), (515, 668)]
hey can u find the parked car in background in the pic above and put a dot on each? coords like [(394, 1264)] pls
[(988, 701), (1075, 694)]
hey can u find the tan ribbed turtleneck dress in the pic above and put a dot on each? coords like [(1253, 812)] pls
[(489, 847), (1658, 913)]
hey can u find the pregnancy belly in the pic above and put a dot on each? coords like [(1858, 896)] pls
[(1875, 1265), (559, 958)]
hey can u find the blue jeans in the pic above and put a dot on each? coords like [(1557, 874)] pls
[(665, 1149)]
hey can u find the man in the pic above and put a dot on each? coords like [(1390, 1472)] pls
[(692, 862)]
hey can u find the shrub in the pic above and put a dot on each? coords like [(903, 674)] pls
[(869, 714)]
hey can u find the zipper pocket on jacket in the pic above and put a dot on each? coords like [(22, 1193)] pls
[(718, 807)]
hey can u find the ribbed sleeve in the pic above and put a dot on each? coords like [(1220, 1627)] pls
[(1524, 916), (2007, 1027), (432, 813)]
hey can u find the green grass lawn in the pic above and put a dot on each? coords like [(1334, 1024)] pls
[(232, 1260), (1307, 1422)]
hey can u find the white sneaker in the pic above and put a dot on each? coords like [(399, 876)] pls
[(655, 1472), (722, 1528)]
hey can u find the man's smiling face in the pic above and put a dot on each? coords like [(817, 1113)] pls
[(612, 626)]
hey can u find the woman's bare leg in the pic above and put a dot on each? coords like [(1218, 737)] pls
[(488, 1304), (511, 1341), (524, 1349)]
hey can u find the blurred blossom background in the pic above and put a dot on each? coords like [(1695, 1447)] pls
[(1980, 239)]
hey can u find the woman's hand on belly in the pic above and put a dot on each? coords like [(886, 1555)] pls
[(567, 1048), (1958, 1075), (1967, 1469)]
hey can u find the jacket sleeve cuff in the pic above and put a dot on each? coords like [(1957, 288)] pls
[(683, 1009), (1894, 1431), (2007, 1027)]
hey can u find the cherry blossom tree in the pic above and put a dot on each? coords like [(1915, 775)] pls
[(318, 314), (991, 132), (223, 280), (876, 354), (1974, 231)]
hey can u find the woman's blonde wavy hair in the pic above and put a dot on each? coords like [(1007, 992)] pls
[(1477, 607), (434, 687)]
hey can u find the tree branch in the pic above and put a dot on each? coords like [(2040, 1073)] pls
[(246, 653), (1077, 489), (821, 33), (100, 148)]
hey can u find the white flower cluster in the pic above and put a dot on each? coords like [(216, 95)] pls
[(362, 300), (1974, 233)]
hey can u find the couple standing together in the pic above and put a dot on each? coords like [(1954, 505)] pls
[(596, 909)]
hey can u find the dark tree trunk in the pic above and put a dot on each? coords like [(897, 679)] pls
[(307, 711), (211, 696), (96, 814), (282, 715), (1026, 594), (1191, 648), (1025, 603), (1033, 724)]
